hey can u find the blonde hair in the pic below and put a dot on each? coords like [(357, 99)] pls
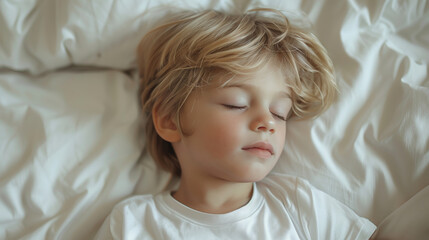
[(182, 55)]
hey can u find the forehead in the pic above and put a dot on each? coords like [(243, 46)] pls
[(269, 76)]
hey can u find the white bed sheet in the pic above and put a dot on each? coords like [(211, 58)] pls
[(70, 127)]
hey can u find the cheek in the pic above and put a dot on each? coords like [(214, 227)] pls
[(281, 138), (222, 135)]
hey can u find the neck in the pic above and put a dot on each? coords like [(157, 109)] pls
[(214, 196)]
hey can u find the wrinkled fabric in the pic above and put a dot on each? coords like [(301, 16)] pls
[(71, 137)]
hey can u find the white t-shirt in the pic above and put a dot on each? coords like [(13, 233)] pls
[(281, 207)]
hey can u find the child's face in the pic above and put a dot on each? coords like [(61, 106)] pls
[(236, 132)]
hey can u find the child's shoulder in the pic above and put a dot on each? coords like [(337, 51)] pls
[(296, 194), (135, 204), (128, 218), (314, 209)]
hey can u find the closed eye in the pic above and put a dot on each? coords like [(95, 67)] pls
[(244, 107), (279, 117), (234, 107)]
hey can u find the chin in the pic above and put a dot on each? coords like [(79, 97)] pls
[(259, 178), (251, 177), (258, 173)]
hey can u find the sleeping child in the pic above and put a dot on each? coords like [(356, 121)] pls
[(218, 90)]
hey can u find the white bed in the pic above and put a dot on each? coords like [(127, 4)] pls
[(71, 137)]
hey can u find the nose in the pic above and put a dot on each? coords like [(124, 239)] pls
[(263, 122)]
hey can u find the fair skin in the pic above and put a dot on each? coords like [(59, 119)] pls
[(234, 136)]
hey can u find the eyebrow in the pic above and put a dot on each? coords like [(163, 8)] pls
[(282, 94)]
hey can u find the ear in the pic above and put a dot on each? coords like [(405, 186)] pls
[(165, 127)]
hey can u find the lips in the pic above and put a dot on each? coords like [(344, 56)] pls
[(260, 149)]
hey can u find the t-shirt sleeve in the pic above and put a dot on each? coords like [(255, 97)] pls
[(323, 217), (125, 220), (113, 225)]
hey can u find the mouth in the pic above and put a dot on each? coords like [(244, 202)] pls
[(260, 149)]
